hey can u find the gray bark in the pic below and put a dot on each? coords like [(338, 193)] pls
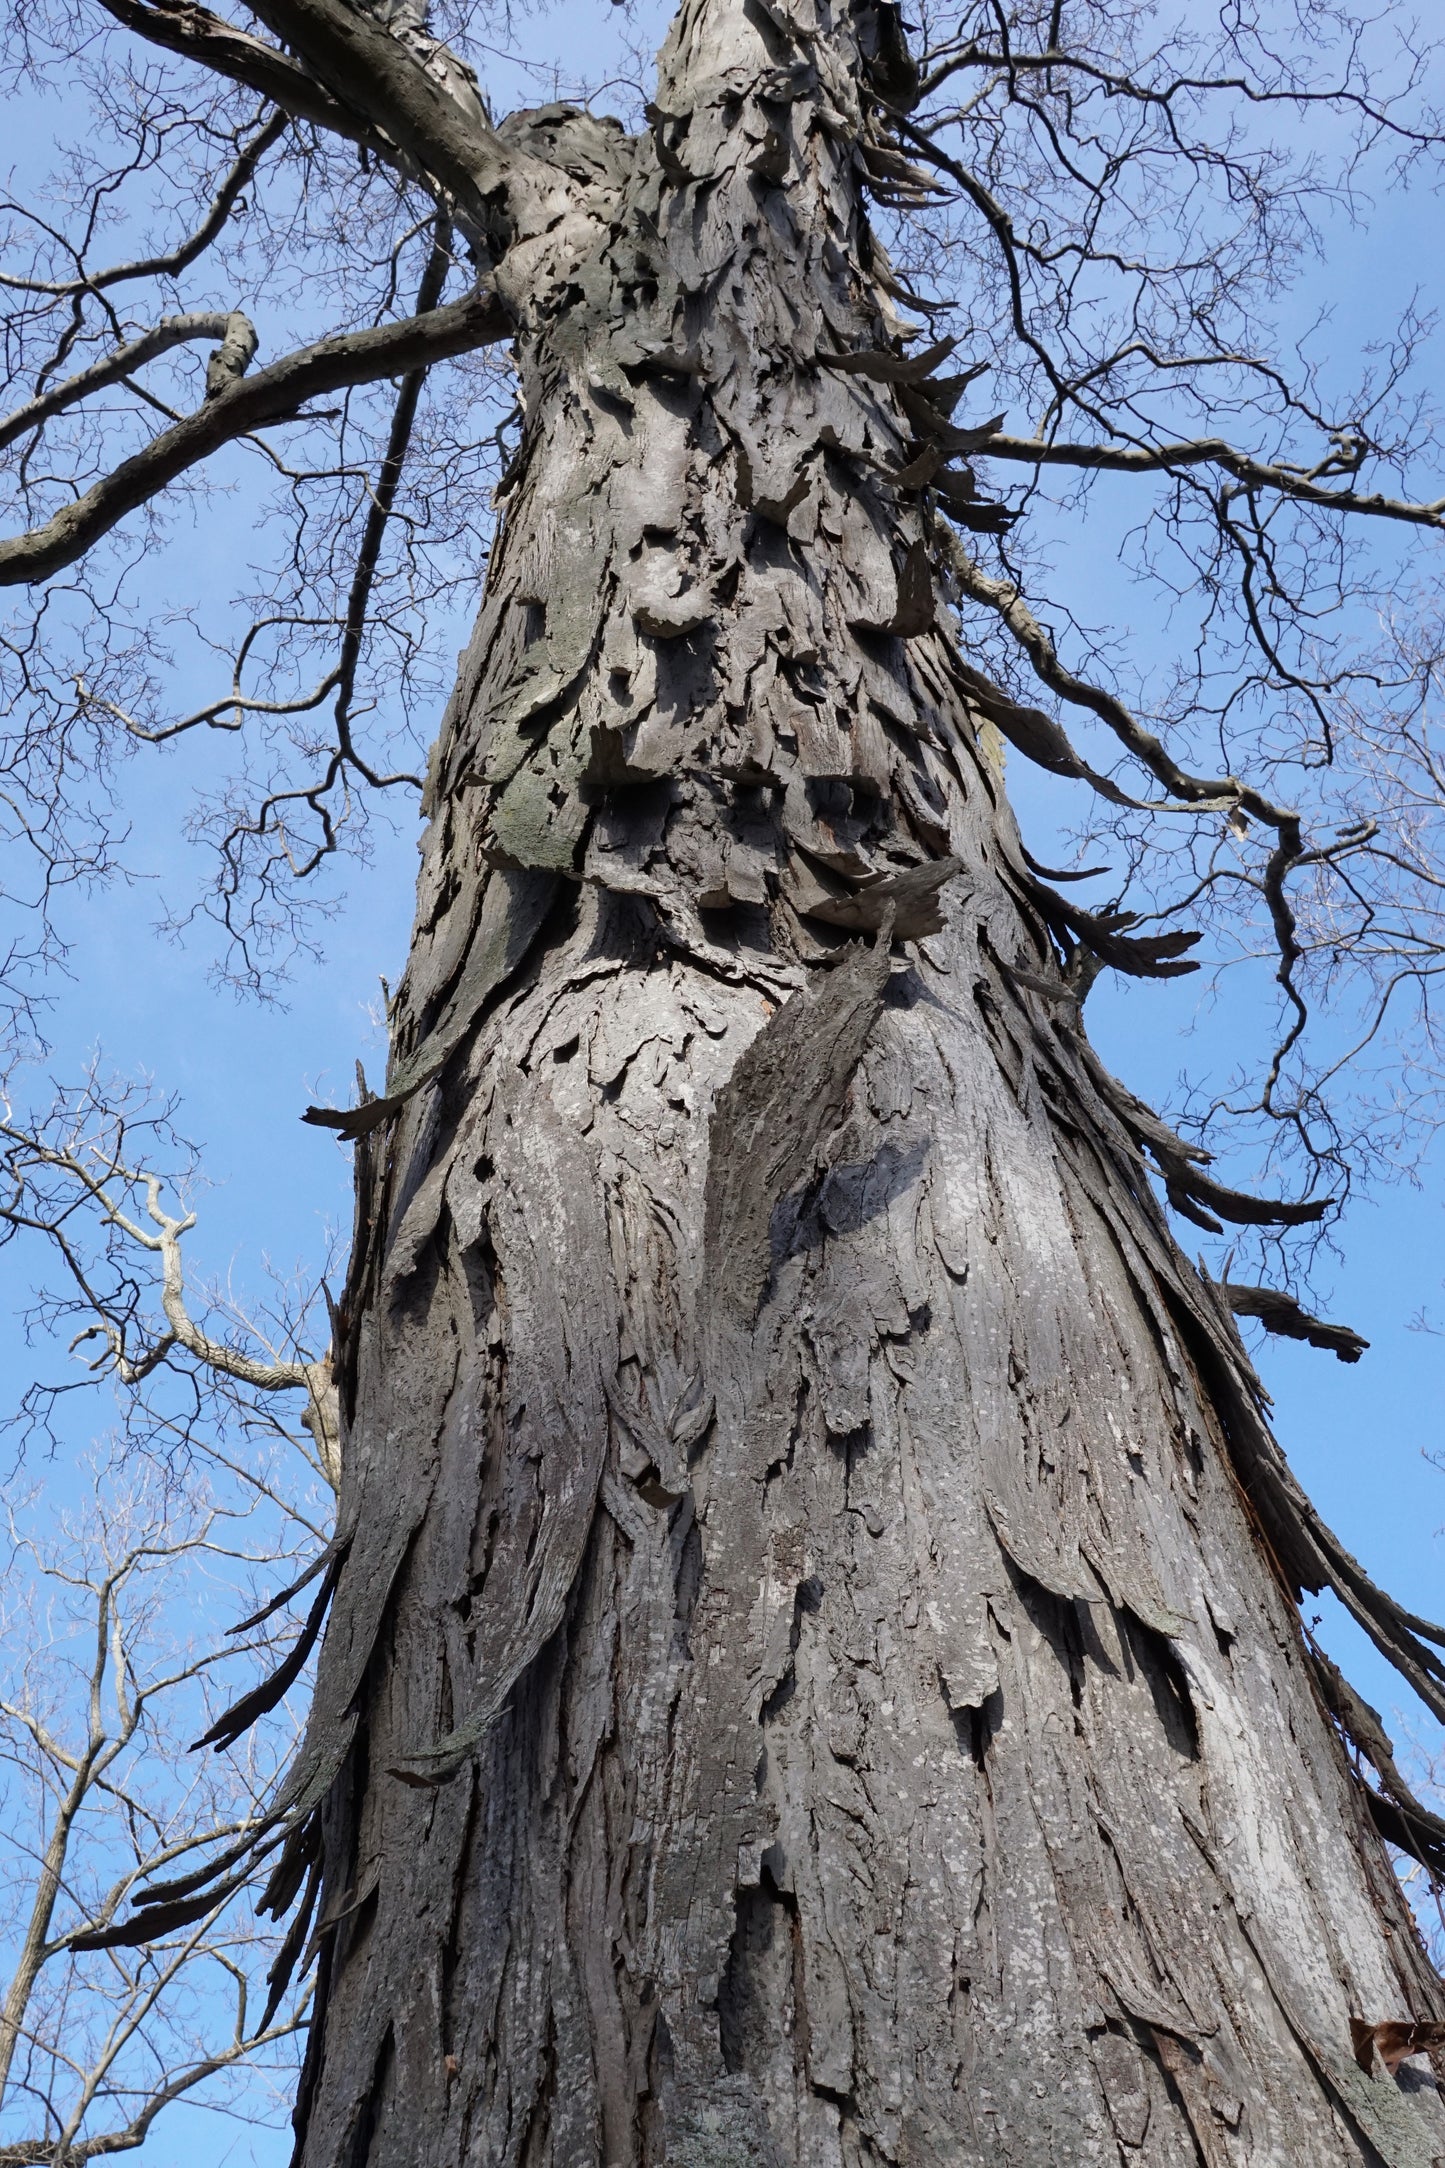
[(815, 1677)]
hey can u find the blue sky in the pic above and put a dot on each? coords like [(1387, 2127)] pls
[(1357, 1437)]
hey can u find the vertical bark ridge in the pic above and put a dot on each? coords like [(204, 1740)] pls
[(810, 1682)]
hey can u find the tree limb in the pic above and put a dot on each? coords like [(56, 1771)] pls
[(378, 78), (383, 495), (1213, 451), (114, 367), (273, 394), (222, 204), (184, 27)]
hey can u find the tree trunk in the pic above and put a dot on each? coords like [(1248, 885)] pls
[(815, 1675)]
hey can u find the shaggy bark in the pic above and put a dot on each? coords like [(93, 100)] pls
[(814, 1674)]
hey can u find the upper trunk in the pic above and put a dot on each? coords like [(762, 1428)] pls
[(808, 1683)]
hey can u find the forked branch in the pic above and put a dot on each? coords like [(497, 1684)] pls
[(1284, 480), (238, 343), (274, 394), (53, 1186)]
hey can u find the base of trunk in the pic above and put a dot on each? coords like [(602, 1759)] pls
[(907, 1755)]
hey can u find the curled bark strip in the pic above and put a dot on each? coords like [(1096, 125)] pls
[(1307, 1552), (914, 614), (319, 1564), (1037, 735), (150, 1924), (1197, 1196), (913, 611), (774, 1112), (912, 897), (936, 428), (1192, 1192), (551, 1244), (892, 70), (1393, 2041), (164, 1905), (273, 394), (885, 368), (1055, 873), (242, 1714), (283, 1965), (1157, 956), (377, 1530), (1419, 1833), (1397, 1813), (1280, 1313), (514, 904), (957, 493)]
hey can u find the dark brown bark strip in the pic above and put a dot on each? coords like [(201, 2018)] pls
[(1282, 1314), (771, 1118)]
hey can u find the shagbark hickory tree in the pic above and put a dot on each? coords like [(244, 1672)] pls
[(813, 1670)]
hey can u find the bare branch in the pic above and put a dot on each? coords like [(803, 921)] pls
[(1286, 481), (184, 27), (50, 1182), (166, 265), (230, 326), (273, 394), (433, 113)]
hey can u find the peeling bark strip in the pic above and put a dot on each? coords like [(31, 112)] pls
[(773, 1113), (813, 1675), (1280, 1313)]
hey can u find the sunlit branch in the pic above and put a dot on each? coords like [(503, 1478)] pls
[(186, 28), (99, 1178), (272, 394), (1058, 60), (1286, 481), (235, 705)]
